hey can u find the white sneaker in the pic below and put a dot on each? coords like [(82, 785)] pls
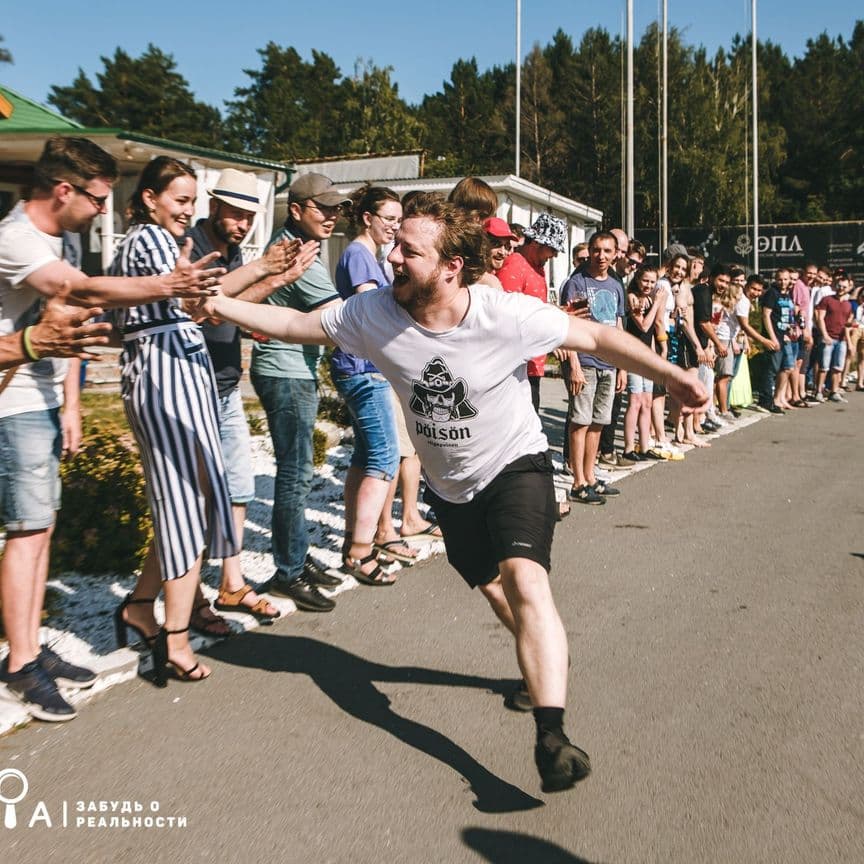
[(819, 397)]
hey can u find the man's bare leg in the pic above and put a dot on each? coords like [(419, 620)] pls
[(23, 574)]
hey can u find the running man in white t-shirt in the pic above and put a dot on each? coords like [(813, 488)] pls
[(455, 353)]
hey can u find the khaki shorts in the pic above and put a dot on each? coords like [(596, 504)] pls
[(406, 448)]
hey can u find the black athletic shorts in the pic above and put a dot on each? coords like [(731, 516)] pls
[(513, 517)]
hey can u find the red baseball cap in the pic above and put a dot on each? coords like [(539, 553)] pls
[(496, 227)]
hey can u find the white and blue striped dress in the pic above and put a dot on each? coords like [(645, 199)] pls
[(169, 394)]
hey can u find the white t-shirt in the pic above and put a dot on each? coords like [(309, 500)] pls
[(465, 392), (23, 250)]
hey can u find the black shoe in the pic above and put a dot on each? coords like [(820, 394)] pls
[(37, 690), (632, 457), (586, 495), (560, 763), (314, 573), (601, 487), (65, 674), (305, 595), (776, 409), (518, 698)]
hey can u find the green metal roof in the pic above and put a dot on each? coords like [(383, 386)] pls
[(30, 116)]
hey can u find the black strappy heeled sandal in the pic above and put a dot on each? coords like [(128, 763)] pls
[(161, 661), (121, 624)]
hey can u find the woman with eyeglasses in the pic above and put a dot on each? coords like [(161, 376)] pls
[(376, 214)]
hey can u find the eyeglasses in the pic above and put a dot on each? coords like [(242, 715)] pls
[(98, 201), (324, 209), (634, 262), (389, 220)]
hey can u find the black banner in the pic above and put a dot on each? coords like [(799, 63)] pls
[(837, 244)]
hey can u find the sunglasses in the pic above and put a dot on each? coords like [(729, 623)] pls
[(98, 201)]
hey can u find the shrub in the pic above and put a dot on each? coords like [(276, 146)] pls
[(319, 447), (104, 524)]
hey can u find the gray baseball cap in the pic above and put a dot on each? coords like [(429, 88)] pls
[(317, 187)]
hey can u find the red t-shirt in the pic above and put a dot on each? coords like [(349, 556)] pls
[(518, 276), (837, 313)]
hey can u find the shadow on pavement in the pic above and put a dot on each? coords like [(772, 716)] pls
[(509, 847), (348, 680)]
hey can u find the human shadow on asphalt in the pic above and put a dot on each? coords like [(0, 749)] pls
[(348, 680), (510, 847)]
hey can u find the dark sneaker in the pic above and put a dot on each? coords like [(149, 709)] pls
[(518, 698), (305, 595), (601, 487), (776, 409), (65, 674), (586, 495), (560, 763), (631, 457), (313, 572), (37, 690)]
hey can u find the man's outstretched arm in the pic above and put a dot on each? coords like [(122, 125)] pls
[(623, 351), (277, 322)]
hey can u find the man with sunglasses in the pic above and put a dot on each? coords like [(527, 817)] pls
[(285, 377)]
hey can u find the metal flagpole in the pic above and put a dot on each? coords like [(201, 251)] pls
[(630, 210), (754, 71), (518, 86), (664, 138)]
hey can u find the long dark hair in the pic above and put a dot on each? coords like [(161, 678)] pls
[(157, 176)]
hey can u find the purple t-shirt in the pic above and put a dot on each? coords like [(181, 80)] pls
[(357, 266)]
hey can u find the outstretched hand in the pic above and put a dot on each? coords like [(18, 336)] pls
[(280, 256), (686, 389), (306, 255), (193, 280), (68, 331)]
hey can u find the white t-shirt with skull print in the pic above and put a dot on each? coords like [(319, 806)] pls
[(465, 392)]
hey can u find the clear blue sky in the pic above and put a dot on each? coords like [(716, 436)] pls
[(213, 42)]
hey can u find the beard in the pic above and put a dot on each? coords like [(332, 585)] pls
[(415, 296)]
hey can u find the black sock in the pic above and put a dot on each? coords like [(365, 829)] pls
[(549, 720)]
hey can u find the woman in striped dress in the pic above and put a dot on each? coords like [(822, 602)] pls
[(169, 396)]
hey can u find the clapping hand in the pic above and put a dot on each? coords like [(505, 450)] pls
[(194, 280)]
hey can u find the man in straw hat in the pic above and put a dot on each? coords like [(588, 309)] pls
[(234, 204)]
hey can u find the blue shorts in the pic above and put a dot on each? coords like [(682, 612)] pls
[(788, 355), (638, 384), (236, 448), (376, 443), (834, 356), (30, 446)]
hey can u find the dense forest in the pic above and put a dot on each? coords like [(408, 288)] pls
[(811, 120)]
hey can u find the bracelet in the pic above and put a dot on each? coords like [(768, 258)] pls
[(28, 347)]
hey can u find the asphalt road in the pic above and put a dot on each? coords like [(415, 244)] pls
[(715, 621)]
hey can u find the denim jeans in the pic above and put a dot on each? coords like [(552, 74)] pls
[(376, 447), (236, 447), (291, 405)]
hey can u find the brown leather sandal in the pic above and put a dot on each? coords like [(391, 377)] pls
[(232, 601)]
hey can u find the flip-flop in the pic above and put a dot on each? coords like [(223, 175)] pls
[(388, 549), (216, 626), (428, 535)]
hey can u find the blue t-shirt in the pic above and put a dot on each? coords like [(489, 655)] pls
[(606, 305), (357, 266)]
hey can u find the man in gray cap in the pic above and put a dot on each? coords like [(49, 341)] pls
[(285, 378), (525, 272)]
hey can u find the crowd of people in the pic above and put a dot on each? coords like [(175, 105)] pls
[(441, 330)]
